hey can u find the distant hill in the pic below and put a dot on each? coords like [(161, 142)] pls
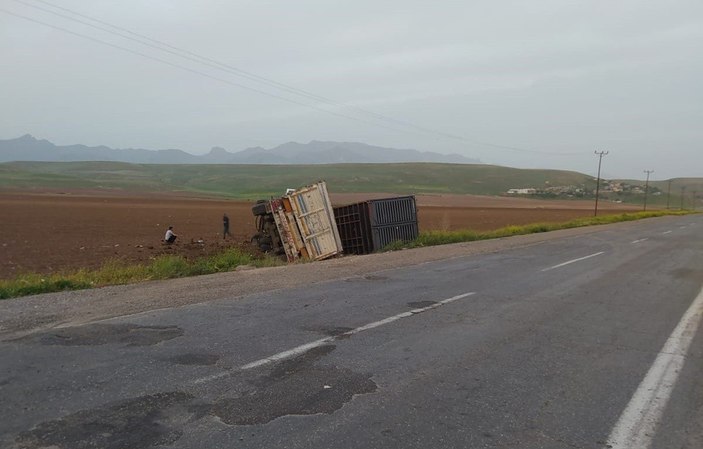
[(28, 148), (263, 181), (317, 152)]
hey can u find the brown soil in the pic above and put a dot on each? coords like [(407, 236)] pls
[(51, 232)]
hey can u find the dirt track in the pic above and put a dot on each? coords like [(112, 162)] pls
[(52, 232)]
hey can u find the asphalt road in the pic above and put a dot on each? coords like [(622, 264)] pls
[(579, 342)]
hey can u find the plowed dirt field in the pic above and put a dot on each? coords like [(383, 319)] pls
[(52, 232)]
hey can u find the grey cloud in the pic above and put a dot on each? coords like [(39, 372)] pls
[(544, 74)]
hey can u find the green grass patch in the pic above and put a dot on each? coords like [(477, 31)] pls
[(117, 272), (433, 238)]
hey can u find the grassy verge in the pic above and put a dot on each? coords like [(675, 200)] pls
[(431, 238), (115, 273)]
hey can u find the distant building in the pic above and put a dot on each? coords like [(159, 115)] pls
[(522, 191), (616, 187)]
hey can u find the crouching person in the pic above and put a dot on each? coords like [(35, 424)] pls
[(170, 236)]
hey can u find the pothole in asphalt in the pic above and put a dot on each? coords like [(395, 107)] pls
[(139, 423), (195, 359), (102, 334), (421, 304), (298, 386)]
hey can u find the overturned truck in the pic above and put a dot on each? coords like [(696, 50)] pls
[(303, 224), (300, 224)]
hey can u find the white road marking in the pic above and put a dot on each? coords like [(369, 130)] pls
[(666, 232), (574, 260), (323, 341), (636, 426), (288, 354), (640, 240)]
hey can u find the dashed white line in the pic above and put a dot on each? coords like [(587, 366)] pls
[(636, 426), (573, 261), (640, 240), (666, 232), (323, 341), (288, 354)]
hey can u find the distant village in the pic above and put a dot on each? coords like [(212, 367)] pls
[(612, 189)]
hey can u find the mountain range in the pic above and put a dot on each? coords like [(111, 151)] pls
[(28, 148)]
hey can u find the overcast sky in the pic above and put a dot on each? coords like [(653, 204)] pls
[(553, 79)]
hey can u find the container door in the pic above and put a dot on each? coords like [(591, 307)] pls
[(313, 213)]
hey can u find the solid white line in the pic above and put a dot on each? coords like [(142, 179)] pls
[(572, 261), (636, 426), (323, 341), (666, 232), (640, 240)]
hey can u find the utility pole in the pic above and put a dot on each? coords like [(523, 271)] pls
[(600, 155), (694, 199), (646, 187), (668, 194), (683, 189)]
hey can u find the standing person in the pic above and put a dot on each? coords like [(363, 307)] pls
[(170, 236), (225, 226)]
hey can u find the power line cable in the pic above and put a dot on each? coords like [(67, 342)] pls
[(257, 78), (231, 69), (163, 61), (194, 57), (228, 68), (178, 52)]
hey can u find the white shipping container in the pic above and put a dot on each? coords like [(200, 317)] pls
[(314, 217)]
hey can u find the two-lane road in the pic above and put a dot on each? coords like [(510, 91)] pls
[(579, 342)]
